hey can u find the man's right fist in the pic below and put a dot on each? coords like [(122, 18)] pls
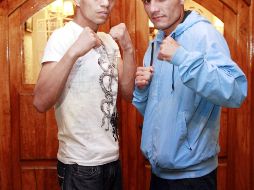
[(143, 76), (87, 40)]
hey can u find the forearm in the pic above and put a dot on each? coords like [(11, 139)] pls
[(140, 99), (52, 81), (128, 76)]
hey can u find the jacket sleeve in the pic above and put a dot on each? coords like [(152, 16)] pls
[(210, 72), (140, 96)]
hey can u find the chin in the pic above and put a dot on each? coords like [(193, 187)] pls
[(101, 20), (159, 27)]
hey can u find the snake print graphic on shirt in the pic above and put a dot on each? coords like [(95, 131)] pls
[(107, 63)]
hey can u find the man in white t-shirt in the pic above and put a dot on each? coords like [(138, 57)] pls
[(81, 70)]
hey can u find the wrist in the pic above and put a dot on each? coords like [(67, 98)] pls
[(73, 55), (128, 49)]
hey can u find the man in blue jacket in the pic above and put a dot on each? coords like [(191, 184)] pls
[(187, 76)]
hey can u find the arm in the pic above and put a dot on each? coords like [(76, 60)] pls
[(208, 69), (143, 78), (142, 81), (213, 76), (53, 75), (127, 67)]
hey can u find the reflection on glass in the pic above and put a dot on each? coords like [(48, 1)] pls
[(192, 5), (38, 28)]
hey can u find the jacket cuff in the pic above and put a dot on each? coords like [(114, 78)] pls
[(180, 56), (141, 91)]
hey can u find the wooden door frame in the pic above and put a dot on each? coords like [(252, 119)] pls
[(5, 126), (252, 97)]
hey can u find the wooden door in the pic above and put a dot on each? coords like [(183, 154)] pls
[(34, 143)]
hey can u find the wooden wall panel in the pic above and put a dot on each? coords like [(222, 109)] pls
[(251, 89), (3, 8), (230, 34), (142, 32), (248, 2), (39, 179), (5, 127), (38, 4), (31, 130), (214, 6), (117, 13), (13, 4), (129, 130), (51, 135), (231, 3), (240, 152), (252, 97), (32, 6), (142, 36), (222, 176), (15, 76), (128, 134), (38, 140), (147, 175), (223, 139)]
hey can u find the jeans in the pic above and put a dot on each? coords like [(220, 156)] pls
[(207, 182), (102, 177)]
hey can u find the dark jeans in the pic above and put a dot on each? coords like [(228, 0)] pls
[(207, 182), (103, 177)]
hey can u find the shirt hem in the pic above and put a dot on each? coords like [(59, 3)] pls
[(195, 171)]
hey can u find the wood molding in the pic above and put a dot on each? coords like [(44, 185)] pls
[(5, 129), (232, 4), (252, 97), (248, 2), (3, 8)]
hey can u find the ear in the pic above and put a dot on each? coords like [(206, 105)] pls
[(76, 2)]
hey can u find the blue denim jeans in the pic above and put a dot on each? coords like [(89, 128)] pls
[(102, 177), (207, 182)]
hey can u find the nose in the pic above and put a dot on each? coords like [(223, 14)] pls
[(153, 6), (105, 3)]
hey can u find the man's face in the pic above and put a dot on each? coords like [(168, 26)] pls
[(96, 11), (163, 13)]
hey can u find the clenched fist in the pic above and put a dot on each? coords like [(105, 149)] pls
[(143, 76), (87, 40), (168, 48), (120, 34)]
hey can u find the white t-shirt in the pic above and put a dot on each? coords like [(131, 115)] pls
[(83, 112)]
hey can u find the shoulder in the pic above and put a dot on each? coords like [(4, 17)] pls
[(60, 34), (62, 38), (203, 34), (204, 30), (57, 44)]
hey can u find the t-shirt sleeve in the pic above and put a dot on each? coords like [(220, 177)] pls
[(53, 50)]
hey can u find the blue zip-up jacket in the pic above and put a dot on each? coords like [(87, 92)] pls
[(181, 108)]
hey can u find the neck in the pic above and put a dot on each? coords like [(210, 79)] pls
[(84, 22), (172, 27)]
